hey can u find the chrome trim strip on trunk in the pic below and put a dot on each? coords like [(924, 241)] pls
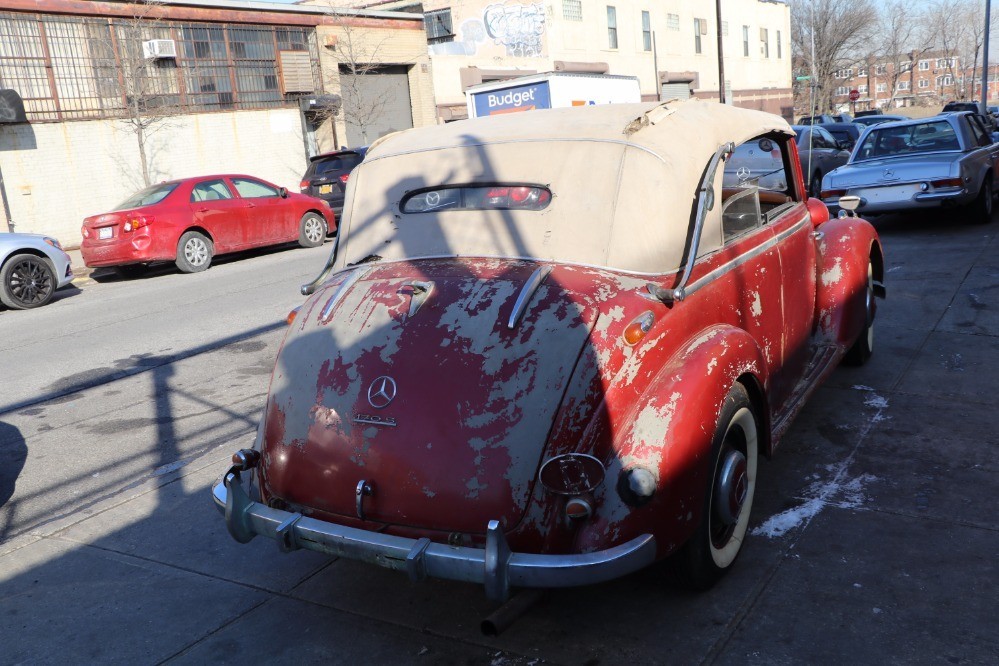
[(340, 292), (526, 294), (496, 566)]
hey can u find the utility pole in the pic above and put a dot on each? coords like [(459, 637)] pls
[(721, 56), (655, 67), (985, 59)]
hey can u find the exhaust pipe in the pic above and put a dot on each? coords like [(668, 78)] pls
[(504, 616)]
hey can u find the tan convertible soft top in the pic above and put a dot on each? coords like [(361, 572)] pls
[(623, 178)]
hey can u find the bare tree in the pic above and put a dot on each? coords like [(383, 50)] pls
[(840, 30), (905, 34), (145, 88), (960, 26), (358, 54)]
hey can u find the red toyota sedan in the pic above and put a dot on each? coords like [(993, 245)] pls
[(189, 221)]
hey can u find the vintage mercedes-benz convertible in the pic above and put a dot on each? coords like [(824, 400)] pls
[(550, 348)]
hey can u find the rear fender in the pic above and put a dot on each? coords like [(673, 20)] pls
[(669, 433), (844, 248)]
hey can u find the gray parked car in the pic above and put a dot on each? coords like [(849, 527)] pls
[(32, 267), (819, 153), (946, 160)]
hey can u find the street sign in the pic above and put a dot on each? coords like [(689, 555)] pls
[(854, 95), (802, 78)]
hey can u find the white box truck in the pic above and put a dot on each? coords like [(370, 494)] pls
[(549, 91)]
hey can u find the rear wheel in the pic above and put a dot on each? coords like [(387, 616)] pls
[(862, 349), (312, 230), (26, 281), (981, 210), (728, 500), (194, 252)]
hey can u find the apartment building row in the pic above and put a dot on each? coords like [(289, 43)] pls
[(931, 78)]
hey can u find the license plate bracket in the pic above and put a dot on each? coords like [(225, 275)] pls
[(104, 233)]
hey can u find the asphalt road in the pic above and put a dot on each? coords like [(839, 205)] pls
[(874, 530)]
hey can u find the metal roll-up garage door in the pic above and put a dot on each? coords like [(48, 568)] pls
[(676, 90), (375, 103)]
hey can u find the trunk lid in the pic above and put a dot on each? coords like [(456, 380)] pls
[(438, 405), (889, 171)]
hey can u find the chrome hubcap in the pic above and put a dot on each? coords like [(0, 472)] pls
[(313, 229), (195, 251), (732, 487)]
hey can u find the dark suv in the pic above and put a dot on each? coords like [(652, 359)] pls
[(974, 107), (327, 174)]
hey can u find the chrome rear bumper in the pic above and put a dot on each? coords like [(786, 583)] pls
[(494, 566)]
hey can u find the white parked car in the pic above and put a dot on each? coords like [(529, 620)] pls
[(32, 267)]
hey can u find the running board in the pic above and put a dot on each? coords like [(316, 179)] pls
[(823, 362)]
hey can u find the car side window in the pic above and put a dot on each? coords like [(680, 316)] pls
[(254, 189), (823, 139), (756, 185), (978, 131), (210, 190)]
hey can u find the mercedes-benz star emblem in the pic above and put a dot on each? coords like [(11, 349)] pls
[(381, 392), (889, 173), (743, 174)]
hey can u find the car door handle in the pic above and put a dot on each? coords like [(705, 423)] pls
[(250, 205), (202, 210)]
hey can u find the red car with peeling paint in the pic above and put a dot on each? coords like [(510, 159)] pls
[(483, 387), (190, 221)]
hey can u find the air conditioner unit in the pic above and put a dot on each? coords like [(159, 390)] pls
[(159, 48)]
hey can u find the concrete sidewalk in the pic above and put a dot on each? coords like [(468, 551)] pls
[(874, 534)]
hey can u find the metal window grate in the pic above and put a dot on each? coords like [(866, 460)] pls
[(67, 68), (437, 24)]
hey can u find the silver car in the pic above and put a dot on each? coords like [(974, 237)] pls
[(32, 267), (947, 160)]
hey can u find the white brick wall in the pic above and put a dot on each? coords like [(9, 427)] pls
[(56, 174)]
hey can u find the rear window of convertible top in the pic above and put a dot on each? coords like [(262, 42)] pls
[(477, 197)]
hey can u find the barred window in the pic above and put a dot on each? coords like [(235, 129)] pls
[(437, 23), (68, 67), (572, 10)]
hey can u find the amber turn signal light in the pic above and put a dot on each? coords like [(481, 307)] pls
[(637, 329), (291, 316)]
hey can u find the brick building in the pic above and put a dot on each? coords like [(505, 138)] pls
[(231, 86)]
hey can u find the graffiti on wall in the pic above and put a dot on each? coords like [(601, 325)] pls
[(516, 26)]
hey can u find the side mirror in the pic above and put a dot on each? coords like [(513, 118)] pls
[(283, 192)]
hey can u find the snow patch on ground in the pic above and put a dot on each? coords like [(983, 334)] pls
[(838, 492)]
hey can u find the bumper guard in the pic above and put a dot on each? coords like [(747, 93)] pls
[(495, 566)]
